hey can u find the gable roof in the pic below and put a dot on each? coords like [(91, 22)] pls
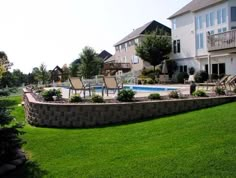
[(104, 55), (148, 27), (195, 5)]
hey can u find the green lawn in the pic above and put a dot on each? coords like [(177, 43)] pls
[(194, 144)]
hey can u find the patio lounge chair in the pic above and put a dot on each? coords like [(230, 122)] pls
[(230, 82), (77, 84), (220, 83), (110, 83)]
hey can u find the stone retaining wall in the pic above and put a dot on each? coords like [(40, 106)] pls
[(91, 114)]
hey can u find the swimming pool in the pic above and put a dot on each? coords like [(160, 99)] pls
[(143, 88)]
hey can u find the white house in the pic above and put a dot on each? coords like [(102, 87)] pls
[(204, 36)]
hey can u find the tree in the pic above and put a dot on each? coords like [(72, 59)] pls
[(90, 63), (66, 72), (74, 70), (154, 48), (40, 74), (4, 63), (18, 77)]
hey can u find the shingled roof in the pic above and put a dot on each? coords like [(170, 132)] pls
[(148, 27), (196, 5)]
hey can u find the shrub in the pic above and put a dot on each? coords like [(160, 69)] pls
[(97, 99), (199, 93), (173, 94), (4, 93), (181, 77), (154, 96), (9, 134), (48, 94), (220, 91), (151, 81), (214, 76), (125, 95), (76, 99), (191, 70), (201, 76)]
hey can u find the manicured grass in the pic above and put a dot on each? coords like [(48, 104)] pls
[(194, 144)]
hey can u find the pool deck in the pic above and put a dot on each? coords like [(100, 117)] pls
[(184, 89)]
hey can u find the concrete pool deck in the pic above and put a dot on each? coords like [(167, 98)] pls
[(184, 89)]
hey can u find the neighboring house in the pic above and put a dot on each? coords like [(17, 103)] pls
[(125, 58), (204, 36), (56, 74), (104, 55)]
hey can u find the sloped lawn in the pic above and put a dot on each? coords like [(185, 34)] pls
[(194, 144)]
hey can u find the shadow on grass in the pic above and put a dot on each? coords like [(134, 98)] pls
[(4, 102), (30, 169)]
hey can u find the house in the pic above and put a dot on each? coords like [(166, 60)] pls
[(125, 58), (56, 74), (204, 36), (104, 55)]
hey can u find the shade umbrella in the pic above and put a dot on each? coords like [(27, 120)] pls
[(164, 68)]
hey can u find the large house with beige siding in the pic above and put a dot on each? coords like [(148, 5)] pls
[(204, 36), (125, 58)]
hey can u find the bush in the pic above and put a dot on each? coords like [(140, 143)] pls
[(154, 96), (191, 70), (125, 95), (173, 94), (199, 93), (201, 76), (220, 91), (182, 76), (76, 99), (4, 93), (151, 81), (97, 99), (214, 76), (48, 94)]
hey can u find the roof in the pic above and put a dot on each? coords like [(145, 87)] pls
[(148, 27), (104, 55), (196, 5), (57, 68)]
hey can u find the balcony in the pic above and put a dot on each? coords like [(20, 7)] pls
[(221, 41)]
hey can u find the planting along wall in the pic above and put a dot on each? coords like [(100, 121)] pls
[(91, 115)]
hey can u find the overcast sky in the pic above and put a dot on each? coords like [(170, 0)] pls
[(54, 32)]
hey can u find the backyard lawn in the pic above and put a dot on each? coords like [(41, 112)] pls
[(194, 144)]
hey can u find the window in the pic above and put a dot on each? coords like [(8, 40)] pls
[(136, 41), (221, 16), (218, 68), (199, 41), (199, 22), (233, 28), (126, 46), (221, 30), (176, 46), (233, 14), (135, 59), (174, 24), (183, 68), (206, 68), (211, 32), (210, 19)]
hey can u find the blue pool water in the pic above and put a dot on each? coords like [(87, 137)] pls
[(142, 88)]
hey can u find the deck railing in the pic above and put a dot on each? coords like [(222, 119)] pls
[(221, 41), (116, 66)]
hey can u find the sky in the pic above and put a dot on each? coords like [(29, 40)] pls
[(54, 32)]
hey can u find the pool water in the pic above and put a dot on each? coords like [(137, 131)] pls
[(142, 88)]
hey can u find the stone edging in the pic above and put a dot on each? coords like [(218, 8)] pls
[(74, 115)]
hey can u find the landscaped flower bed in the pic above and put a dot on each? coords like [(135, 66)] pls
[(52, 114)]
